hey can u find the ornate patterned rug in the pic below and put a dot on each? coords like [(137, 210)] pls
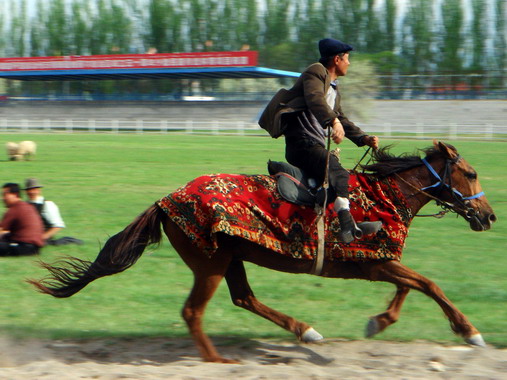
[(249, 206)]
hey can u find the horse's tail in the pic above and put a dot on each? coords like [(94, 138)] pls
[(120, 252)]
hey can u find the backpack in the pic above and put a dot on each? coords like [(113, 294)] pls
[(271, 118)]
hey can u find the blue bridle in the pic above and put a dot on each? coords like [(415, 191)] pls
[(441, 182)]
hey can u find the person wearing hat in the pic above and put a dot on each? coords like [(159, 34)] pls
[(305, 114), (49, 213), (21, 227), (48, 210)]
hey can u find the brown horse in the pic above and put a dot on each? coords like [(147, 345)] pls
[(442, 175)]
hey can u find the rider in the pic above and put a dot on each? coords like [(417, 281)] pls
[(305, 112)]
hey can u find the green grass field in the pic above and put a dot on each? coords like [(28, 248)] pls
[(102, 181)]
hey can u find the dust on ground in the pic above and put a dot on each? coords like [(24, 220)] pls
[(168, 358)]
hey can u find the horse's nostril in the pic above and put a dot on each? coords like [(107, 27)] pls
[(492, 218)]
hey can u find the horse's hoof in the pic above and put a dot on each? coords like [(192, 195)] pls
[(222, 360), (230, 361), (476, 340), (311, 335), (372, 328)]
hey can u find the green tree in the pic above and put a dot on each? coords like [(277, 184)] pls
[(277, 50), (501, 42), (79, 28), (388, 28), (331, 25), (417, 52), (475, 48), (241, 28), (58, 33), (452, 19), (284, 32), (276, 23), (418, 37), (374, 39), (2, 38), (247, 24), (121, 32), (230, 30), (213, 26), (103, 29), (310, 28), (196, 24), (157, 24), (18, 29), (351, 16), (165, 27), (38, 36)]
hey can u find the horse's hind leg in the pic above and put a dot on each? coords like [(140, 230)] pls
[(380, 322), (208, 272), (193, 311), (243, 296)]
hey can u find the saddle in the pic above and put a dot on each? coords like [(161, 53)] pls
[(295, 186)]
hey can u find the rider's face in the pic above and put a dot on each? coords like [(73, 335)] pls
[(342, 64)]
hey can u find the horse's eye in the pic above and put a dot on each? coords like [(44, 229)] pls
[(471, 175)]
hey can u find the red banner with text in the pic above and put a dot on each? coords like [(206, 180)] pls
[(132, 61)]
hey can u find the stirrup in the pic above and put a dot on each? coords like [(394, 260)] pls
[(359, 230), (349, 235), (355, 230), (368, 228)]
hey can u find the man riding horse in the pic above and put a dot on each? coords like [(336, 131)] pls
[(306, 114)]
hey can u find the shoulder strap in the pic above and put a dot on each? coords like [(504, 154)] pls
[(39, 207)]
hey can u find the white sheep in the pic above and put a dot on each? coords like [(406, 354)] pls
[(12, 151), (24, 150)]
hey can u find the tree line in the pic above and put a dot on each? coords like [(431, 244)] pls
[(426, 37)]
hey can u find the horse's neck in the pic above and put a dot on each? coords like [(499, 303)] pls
[(412, 180)]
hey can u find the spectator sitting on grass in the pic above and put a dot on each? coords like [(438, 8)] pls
[(21, 227), (49, 213)]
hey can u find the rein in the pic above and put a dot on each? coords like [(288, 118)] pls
[(362, 158), (457, 195), (438, 215), (460, 204)]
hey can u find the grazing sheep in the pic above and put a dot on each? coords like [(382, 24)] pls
[(12, 151), (24, 150), (27, 149)]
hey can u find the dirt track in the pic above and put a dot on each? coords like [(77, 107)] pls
[(261, 359)]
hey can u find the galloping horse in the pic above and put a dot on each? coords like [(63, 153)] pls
[(442, 175)]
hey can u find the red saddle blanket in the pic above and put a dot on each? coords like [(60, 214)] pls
[(249, 206)]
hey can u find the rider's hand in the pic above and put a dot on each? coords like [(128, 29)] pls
[(337, 132), (371, 141)]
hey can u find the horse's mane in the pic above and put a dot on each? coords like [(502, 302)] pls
[(385, 163)]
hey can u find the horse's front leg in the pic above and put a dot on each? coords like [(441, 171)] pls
[(243, 296), (402, 276), (380, 322)]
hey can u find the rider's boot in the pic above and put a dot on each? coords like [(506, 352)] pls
[(349, 230)]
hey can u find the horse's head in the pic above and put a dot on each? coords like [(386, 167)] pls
[(459, 189)]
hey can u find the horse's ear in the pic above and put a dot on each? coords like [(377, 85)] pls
[(447, 150)]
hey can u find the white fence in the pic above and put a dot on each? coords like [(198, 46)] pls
[(127, 125), (448, 130), (418, 130)]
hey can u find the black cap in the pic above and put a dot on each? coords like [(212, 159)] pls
[(329, 47)]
